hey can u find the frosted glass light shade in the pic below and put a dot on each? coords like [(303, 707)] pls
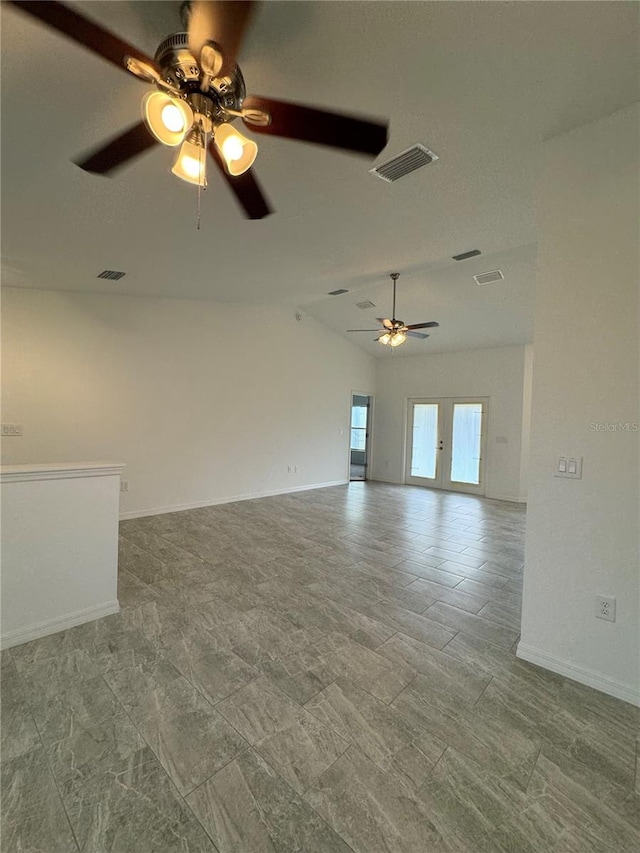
[(397, 339), (190, 163), (238, 153), (169, 119)]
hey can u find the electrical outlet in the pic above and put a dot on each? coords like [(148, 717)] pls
[(124, 485), (289, 469), (297, 469), (605, 608)]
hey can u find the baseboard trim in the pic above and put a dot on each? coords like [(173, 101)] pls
[(506, 498), (576, 673), (52, 626), (161, 510)]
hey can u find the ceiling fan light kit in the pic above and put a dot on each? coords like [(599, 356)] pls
[(199, 92), (197, 109), (394, 339)]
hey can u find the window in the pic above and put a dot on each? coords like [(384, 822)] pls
[(359, 427)]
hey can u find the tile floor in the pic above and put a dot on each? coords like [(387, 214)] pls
[(326, 672)]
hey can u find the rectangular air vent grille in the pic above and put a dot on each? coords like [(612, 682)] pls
[(463, 257), (337, 292), (404, 163), (364, 305), (112, 275), (489, 277)]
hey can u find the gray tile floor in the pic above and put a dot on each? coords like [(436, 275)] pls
[(324, 672)]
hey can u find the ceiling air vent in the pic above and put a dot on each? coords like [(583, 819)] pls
[(465, 255), (337, 292), (112, 275), (364, 305), (407, 161), (489, 277)]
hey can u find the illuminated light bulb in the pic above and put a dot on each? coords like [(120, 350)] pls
[(172, 118), (232, 148), (238, 153), (168, 118), (191, 166), (190, 162), (384, 339)]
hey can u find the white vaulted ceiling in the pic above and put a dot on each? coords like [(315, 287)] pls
[(480, 83)]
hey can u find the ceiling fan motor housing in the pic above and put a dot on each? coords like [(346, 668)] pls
[(179, 67)]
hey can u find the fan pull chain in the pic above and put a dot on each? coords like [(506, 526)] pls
[(202, 177), (200, 182)]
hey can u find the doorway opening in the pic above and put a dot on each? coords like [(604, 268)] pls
[(359, 444), (446, 443)]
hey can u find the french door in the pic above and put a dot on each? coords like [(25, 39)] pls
[(446, 443)]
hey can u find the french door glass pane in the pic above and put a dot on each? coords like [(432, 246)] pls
[(424, 440), (465, 443)]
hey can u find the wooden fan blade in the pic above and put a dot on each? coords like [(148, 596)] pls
[(70, 23), (431, 325), (221, 21), (245, 188), (386, 323), (307, 124), (416, 335), (118, 150)]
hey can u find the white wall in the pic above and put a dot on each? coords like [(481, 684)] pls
[(203, 401), (495, 373), (582, 535), (59, 548)]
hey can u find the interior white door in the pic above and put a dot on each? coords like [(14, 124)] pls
[(446, 443)]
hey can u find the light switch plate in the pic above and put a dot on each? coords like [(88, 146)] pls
[(11, 429), (569, 467)]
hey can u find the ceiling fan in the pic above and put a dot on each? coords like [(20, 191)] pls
[(395, 332), (199, 91)]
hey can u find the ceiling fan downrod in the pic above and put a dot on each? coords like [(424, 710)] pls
[(394, 277)]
